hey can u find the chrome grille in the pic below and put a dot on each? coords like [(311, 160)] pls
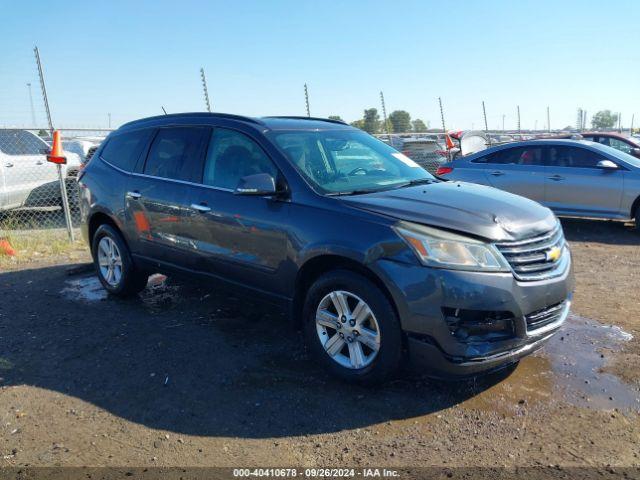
[(545, 316), (535, 258)]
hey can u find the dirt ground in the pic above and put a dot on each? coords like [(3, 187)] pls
[(185, 376)]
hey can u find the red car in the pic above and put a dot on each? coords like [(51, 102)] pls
[(615, 140)]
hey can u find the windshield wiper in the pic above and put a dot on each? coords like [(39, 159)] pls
[(354, 192), (418, 181)]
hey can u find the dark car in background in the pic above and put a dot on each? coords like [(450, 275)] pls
[(628, 145), (373, 257), (574, 178)]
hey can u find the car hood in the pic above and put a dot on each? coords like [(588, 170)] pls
[(464, 207)]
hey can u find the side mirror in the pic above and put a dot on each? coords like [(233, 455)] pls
[(607, 165), (259, 184), (635, 152)]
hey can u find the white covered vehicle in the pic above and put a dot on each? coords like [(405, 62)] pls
[(26, 178)]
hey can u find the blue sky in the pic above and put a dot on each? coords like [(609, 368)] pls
[(131, 58)]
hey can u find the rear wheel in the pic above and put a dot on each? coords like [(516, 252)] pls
[(113, 263), (352, 328)]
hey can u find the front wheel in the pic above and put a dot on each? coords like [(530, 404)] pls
[(113, 263), (352, 328)]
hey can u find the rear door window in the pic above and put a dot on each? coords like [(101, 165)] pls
[(123, 150), (176, 153), (525, 156)]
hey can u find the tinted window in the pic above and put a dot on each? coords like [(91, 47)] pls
[(517, 156), (174, 153), (123, 150), (573, 157), (19, 142), (232, 155), (620, 145)]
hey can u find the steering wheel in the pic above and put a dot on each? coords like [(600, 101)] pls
[(359, 169)]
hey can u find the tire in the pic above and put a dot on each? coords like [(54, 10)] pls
[(370, 365), (637, 218), (130, 280)]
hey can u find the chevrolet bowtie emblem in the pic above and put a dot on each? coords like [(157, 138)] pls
[(553, 254)]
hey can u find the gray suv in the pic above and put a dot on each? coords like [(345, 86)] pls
[(573, 178), (375, 259)]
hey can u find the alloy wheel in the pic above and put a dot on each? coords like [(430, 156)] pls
[(110, 261), (347, 329)]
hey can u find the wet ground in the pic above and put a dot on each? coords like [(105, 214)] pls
[(189, 376)]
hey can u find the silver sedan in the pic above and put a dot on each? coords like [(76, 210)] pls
[(572, 178)]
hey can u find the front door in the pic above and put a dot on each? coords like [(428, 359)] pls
[(576, 186), (240, 238)]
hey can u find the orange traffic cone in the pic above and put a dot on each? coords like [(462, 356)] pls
[(56, 155), (6, 248), (448, 141)]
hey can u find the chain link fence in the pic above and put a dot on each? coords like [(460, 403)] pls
[(31, 195)]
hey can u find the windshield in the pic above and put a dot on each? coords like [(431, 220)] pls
[(348, 161)]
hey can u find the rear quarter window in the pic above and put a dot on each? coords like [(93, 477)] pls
[(123, 150)]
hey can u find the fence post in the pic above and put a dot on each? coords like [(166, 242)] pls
[(63, 185)]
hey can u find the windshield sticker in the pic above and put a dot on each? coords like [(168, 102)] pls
[(406, 160)]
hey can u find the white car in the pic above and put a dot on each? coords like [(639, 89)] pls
[(26, 178)]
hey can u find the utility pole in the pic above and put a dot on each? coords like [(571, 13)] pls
[(633, 117), (444, 129), (306, 99), (518, 111), (486, 126), (205, 90), (44, 89), (33, 111), (109, 115), (61, 179), (548, 121), (503, 130), (384, 116)]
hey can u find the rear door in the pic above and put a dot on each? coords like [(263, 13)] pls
[(158, 196), (576, 186), (518, 170)]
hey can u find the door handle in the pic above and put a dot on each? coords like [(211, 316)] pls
[(497, 173), (135, 195), (8, 164), (556, 178), (200, 207)]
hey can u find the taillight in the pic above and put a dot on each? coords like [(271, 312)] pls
[(442, 153), (444, 170)]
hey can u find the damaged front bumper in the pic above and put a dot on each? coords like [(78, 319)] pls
[(464, 323)]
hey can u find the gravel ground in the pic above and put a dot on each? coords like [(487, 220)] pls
[(185, 376)]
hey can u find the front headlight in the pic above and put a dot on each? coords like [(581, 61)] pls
[(439, 248)]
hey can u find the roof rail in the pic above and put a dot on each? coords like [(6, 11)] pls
[(318, 119), (197, 114)]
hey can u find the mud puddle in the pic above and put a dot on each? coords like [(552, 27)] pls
[(569, 369)]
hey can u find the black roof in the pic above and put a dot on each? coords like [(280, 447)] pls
[(271, 123)]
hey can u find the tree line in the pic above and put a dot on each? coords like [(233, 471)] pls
[(399, 121)]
